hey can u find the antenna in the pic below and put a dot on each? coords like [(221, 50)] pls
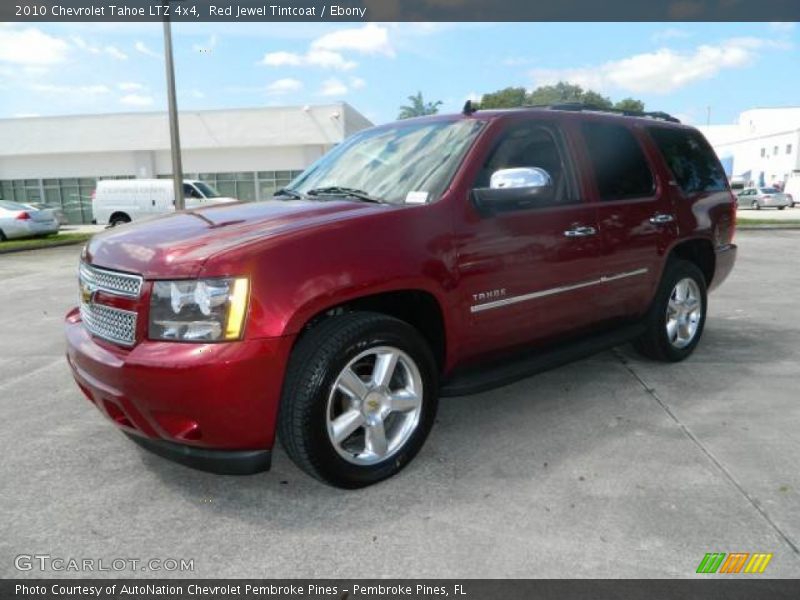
[(469, 108)]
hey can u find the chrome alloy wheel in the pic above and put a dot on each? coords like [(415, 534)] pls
[(684, 311), (374, 405)]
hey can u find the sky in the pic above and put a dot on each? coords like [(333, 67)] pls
[(680, 68)]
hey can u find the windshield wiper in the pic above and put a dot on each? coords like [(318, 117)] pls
[(337, 190), (289, 192)]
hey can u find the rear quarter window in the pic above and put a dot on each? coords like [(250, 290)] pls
[(690, 159), (619, 165)]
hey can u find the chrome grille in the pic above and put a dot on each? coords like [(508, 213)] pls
[(112, 324), (110, 282)]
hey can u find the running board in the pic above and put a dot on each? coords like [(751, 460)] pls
[(481, 379)]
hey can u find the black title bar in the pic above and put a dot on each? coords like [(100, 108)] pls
[(705, 588), (399, 10)]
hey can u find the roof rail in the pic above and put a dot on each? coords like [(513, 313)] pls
[(580, 106)]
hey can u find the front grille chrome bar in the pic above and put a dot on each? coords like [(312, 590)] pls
[(110, 323), (110, 282)]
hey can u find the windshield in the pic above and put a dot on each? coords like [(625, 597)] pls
[(405, 162), (206, 189)]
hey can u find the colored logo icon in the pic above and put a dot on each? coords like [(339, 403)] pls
[(733, 563)]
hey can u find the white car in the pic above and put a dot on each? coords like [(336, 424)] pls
[(19, 221), (121, 201)]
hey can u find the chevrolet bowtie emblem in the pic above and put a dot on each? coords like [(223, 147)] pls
[(87, 292)]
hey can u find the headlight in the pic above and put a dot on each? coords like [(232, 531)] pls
[(204, 310)]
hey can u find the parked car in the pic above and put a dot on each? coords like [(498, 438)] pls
[(19, 221), (116, 202), (57, 212), (764, 197), (443, 255)]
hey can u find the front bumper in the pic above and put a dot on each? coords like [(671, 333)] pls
[(200, 404), (725, 259)]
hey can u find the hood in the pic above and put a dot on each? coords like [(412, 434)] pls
[(178, 244)]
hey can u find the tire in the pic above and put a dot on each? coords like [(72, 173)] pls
[(657, 341), (119, 220), (3, 237), (754, 204), (314, 397), (781, 207)]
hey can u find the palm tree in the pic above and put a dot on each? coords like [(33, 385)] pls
[(418, 107)]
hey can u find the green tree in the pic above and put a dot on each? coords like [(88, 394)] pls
[(418, 107), (558, 93), (630, 104), (509, 97)]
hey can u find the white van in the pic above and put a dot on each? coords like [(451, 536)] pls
[(792, 188), (125, 200)]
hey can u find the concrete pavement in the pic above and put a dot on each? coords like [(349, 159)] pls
[(610, 467)]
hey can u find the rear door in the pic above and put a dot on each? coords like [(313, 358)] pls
[(635, 213)]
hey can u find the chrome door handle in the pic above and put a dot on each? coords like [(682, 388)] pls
[(661, 219), (580, 231)]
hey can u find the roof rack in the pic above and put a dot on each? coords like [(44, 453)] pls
[(580, 106)]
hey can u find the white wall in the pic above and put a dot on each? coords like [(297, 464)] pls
[(47, 166), (241, 159), (150, 164)]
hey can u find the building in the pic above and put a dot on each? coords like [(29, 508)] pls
[(762, 147), (244, 153)]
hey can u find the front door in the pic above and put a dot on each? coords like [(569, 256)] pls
[(525, 271)]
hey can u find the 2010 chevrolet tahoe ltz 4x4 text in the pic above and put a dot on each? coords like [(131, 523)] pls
[(435, 256)]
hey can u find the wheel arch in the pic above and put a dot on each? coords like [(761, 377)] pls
[(119, 213), (418, 307), (699, 251)]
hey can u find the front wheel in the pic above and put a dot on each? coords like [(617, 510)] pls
[(755, 205), (359, 399), (676, 318), (781, 207)]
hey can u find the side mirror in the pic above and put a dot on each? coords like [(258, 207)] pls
[(518, 188)]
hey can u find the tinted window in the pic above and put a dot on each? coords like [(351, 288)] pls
[(619, 165), (692, 162)]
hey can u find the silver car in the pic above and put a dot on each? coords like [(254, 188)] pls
[(763, 197), (18, 221), (57, 212)]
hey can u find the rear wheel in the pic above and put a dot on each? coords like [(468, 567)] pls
[(676, 319), (3, 237), (781, 207), (359, 399)]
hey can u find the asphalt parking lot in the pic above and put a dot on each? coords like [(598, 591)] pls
[(609, 467)]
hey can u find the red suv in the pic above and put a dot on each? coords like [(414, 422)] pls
[(436, 256)]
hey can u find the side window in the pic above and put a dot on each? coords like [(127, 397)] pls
[(529, 145), (620, 167), (691, 161), (190, 192)]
